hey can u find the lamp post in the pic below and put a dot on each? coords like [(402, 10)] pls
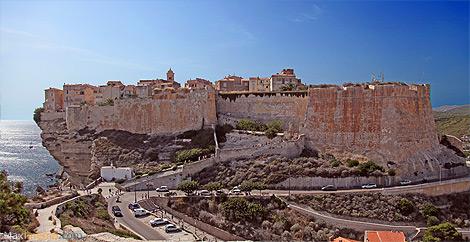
[(148, 189), (135, 192), (289, 181)]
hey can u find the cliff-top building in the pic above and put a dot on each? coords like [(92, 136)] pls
[(198, 83), (145, 87), (54, 100), (257, 84), (74, 94)]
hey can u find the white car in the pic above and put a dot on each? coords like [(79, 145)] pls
[(369, 186), (405, 182), (140, 212), (172, 228), (235, 192), (158, 221), (162, 189), (206, 193)]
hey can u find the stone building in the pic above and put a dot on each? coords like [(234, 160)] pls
[(286, 76), (145, 87), (128, 90), (198, 83), (258, 84), (54, 100), (232, 83), (75, 94)]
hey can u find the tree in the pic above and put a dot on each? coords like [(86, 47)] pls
[(442, 232), (351, 163), (367, 168), (429, 210), (270, 134), (188, 186), (212, 186), (276, 126), (37, 114), (406, 206), (247, 186), (392, 172), (245, 124), (260, 187), (12, 204)]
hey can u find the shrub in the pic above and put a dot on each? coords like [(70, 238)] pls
[(334, 163), (352, 163), (213, 186), (276, 126), (245, 124), (406, 206), (429, 210), (187, 186), (365, 169), (391, 172), (432, 220), (102, 214), (442, 232), (191, 154), (270, 134), (37, 114)]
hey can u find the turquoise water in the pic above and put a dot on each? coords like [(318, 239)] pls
[(25, 164)]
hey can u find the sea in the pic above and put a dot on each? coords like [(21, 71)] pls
[(23, 156)]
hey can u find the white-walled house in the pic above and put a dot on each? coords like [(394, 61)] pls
[(110, 172)]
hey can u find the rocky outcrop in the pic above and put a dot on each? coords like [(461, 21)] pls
[(82, 153)]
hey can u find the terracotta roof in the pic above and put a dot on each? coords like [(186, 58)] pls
[(341, 239), (384, 236)]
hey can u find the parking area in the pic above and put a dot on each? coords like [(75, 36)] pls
[(172, 236)]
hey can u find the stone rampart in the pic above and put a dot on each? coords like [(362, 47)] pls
[(383, 123), (289, 149), (340, 183), (288, 107), (142, 115), (47, 116), (195, 167)]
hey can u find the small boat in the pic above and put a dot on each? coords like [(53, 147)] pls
[(31, 145), (50, 174)]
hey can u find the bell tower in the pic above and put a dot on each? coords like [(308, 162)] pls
[(170, 75)]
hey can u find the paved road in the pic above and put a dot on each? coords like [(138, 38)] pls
[(128, 219)]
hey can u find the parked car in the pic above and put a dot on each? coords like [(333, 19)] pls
[(328, 188), (158, 221), (133, 206), (162, 189), (140, 212), (235, 192), (116, 211), (193, 193), (405, 182), (206, 193), (172, 228), (369, 186), (170, 194), (220, 192)]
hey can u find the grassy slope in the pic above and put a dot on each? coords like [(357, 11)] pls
[(454, 122)]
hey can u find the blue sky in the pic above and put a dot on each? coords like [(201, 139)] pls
[(47, 43)]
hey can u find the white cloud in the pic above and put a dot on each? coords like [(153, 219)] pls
[(314, 14)]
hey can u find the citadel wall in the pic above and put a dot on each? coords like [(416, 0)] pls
[(169, 113), (288, 107), (381, 122)]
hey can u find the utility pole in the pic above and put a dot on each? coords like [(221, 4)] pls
[(289, 182), (135, 192)]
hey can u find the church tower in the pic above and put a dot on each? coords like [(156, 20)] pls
[(170, 75)]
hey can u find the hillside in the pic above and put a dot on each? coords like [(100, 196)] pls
[(454, 121)]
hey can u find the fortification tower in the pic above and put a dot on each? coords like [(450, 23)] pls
[(170, 75)]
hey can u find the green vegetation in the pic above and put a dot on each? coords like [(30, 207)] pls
[(352, 163), (271, 129), (288, 87), (14, 215), (221, 131), (236, 209), (334, 163), (442, 232), (188, 186), (109, 102), (392, 172), (37, 114), (454, 122), (429, 210), (406, 207), (248, 186), (367, 168), (212, 186), (191, 154)]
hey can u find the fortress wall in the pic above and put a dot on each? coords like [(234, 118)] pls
[(262, 107), (381, 122), (47, 116), (289, 149), (141, 115)]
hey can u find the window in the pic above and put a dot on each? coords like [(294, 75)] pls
[(283, 81), (225, 84), (52, 94), (253, 86)]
